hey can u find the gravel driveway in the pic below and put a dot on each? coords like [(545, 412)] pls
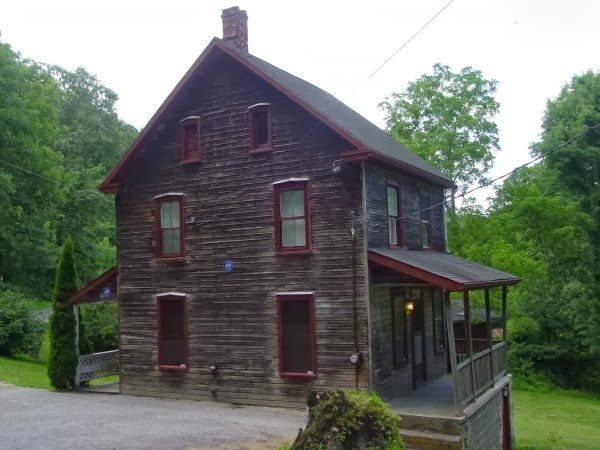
[(40, 419)]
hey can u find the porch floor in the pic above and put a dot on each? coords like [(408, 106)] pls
[(434, 399)]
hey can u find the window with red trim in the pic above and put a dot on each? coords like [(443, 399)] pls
[(259, 120), (295, 317), (393, 211), (292, 217), (190, 139), (172, 332), (169, 226)]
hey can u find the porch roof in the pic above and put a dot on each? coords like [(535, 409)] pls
[(102, 289), (441, 269)]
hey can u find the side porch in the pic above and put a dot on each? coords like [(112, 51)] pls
[(439, 350)]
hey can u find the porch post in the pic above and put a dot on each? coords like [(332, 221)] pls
[(504, 295), (76, 314), (452, 349), (488, 322), (467, 309)]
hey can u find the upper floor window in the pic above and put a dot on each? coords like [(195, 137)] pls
[(172, 333), (295, 325), (190, 139), (169, 225), (393, 211), (426, 222), (292, 216), (259, 118)]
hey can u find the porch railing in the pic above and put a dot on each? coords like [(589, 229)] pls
[(97, 365), (478, 374)]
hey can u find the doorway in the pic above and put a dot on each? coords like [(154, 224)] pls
[(417, 327)]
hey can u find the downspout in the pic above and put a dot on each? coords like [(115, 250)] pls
[(354, 299), (366, 269)]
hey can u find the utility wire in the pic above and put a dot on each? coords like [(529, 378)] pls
[(490, 182)]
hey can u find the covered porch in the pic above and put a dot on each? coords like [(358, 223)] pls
[(472, 365)]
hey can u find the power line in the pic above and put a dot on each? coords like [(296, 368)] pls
[(425, 25), (490, 182)]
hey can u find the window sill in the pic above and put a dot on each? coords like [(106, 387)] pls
[(297, 375), (191, 161), (173, 368), (170, 259), (293, 252), (261, 149)]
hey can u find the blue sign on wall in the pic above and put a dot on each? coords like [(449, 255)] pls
[(228, 266), (106, 292)]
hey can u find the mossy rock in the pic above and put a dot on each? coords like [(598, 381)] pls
[(347, 420)]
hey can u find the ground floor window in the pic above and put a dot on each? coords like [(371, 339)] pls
[(172, 333), (295, 320)]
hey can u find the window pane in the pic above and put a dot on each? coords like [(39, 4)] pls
[(298, 203), (171, 242), (300, 232), (261, 128), (288, 233), (172, 334), (286, 204), (426, 236), (175, 214), (393, 230), (392, 199), (165, 215), (295, 336)]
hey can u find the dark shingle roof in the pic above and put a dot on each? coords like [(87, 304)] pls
[(374, 138), (459, 273)]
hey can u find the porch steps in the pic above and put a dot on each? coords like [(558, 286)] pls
[(429, 440), (431, 432)]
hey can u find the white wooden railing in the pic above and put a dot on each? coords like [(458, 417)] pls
[(97, 365)]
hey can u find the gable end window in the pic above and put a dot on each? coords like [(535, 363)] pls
[(172, 332), (393, 212), (259, 121), (169, 226), (296, 335), (292, 217), (190, 139)]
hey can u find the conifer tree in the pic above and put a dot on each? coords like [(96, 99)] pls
[(62, 362)]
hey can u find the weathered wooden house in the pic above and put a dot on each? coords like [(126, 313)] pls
[(272, 241)]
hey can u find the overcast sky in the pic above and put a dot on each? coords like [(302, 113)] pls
[(141, 49)]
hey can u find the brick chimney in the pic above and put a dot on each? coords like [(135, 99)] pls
[(235, 27)]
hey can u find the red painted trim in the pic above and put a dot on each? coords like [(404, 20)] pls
[(293, 252), (358, 155), (157, 229), (310, 299), (171, 298), (291, 186), (252, 112), (182, 140), (76, 298)]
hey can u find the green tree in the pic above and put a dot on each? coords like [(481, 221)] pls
[(447, 118), (62, 362)]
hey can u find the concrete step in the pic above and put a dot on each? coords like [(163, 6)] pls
[(444, 425), (428, 440)]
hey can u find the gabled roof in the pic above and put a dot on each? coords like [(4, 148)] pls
[(441, 269), (369, 140)]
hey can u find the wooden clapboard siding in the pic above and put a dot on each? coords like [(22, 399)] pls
[(415, 195), (229, 193)]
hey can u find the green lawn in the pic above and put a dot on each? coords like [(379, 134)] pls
[(24, 371), (557, 419)]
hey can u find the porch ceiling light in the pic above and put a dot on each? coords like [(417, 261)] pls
[(409, 305)]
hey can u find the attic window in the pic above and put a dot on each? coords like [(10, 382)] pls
[(259, 121), (190, 139)]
